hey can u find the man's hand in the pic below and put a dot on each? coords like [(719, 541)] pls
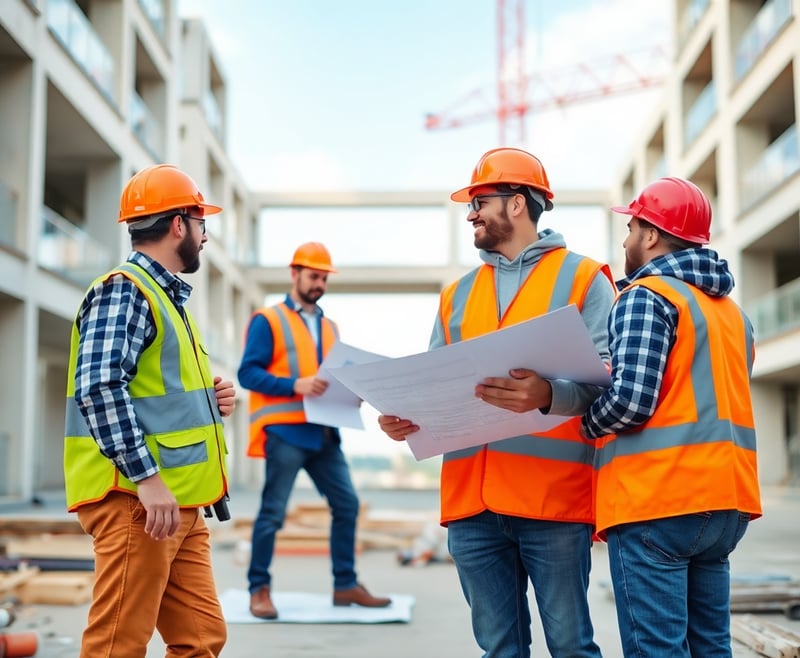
[(226, 396), (163, 513), (523, 391), (310, 386), (396, 428)]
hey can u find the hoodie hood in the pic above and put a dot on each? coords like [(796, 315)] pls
[(509, 274), (702, 268)]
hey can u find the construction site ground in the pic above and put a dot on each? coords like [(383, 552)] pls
[(440, 624)]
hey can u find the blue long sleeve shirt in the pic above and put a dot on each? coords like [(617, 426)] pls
[(257, 356)]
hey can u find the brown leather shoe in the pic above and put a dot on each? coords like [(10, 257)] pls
[(261, 605), (358, 595)]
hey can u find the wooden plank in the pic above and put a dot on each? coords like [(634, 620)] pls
[(767, 639), (12, 580), (73, 547), (57, 588)]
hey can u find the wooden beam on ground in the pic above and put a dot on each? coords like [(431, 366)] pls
[(767, 639)]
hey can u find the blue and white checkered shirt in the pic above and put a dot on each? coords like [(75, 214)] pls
[(116, 325), (641, 332)]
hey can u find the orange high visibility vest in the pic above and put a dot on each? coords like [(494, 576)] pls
[(294, 354), (548, 475), (697, 452)]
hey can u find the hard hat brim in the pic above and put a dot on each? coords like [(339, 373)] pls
[(623, 210), (465, 193)]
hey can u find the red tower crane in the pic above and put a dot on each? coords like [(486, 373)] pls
[(521, 94)]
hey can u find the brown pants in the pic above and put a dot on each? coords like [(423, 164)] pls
[(142, 584)]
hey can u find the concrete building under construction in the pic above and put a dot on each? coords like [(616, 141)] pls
[(91, 91)]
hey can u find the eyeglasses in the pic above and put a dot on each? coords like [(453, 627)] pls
[(475, 202), (198, 219)]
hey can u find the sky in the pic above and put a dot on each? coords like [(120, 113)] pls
[(327, 95)]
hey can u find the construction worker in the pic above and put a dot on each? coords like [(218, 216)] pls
[(676, 447), (284, 348), (144, 448), (521, 508)]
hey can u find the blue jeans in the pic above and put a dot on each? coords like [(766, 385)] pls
[(330, 473), (495, 555), (671, 582)]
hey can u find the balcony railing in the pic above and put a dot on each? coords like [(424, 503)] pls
[(780, 160), (75, 32), (154, 10), (9, 210), (213, 114), (700, 113), (777, 311), (765, 26), (73, 253), (144, 125), (691, 17)]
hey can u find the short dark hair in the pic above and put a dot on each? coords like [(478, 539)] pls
[(155, 232), (675, 243), (534, 209)]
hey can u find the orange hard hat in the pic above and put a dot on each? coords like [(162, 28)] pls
[(511, 166), (159, 188), (674, 205), (313, 255)]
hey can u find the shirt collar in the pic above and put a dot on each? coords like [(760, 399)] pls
[(177, 289)]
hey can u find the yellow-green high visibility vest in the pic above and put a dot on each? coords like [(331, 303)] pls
[(173, 397)]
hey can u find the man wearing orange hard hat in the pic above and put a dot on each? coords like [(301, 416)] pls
[(284, 348), (144, 448), (677, 476), (521, 509)]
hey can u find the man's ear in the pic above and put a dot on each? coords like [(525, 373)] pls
[(177, 226)]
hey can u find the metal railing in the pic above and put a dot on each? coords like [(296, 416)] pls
[(70, 251), (765, 26), (690, 17), (9, 209), (701, 112), (75, 32), (154, 10), (144, 125), (777, 311), (780, 160)]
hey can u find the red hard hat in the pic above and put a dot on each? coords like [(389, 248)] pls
[(508, 165), (674, 205), (313, 255)]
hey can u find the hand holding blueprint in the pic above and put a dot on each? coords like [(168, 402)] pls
[(436, 389), (338, 406)]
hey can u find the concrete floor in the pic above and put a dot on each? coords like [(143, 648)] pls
[(440, 620)]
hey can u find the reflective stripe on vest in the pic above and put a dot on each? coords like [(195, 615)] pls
[(697, 452), (175, 406), (295, 356), (547, 475)]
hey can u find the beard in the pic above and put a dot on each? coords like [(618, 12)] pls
[(495, 232), (310, 296), (189, 254)]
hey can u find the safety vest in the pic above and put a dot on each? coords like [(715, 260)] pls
[(547, 475), (294, 354), (697, 452), (173, 398)]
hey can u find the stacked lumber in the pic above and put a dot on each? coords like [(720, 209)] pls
[(47, 561), (306, 530), (764, 637), (767, 596)]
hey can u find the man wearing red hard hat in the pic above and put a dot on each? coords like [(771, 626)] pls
[(675, 440)]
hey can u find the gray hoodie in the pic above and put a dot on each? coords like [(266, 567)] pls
[(569, 398)]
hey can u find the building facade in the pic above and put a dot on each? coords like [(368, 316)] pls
[(91, 91), (729, 123)]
